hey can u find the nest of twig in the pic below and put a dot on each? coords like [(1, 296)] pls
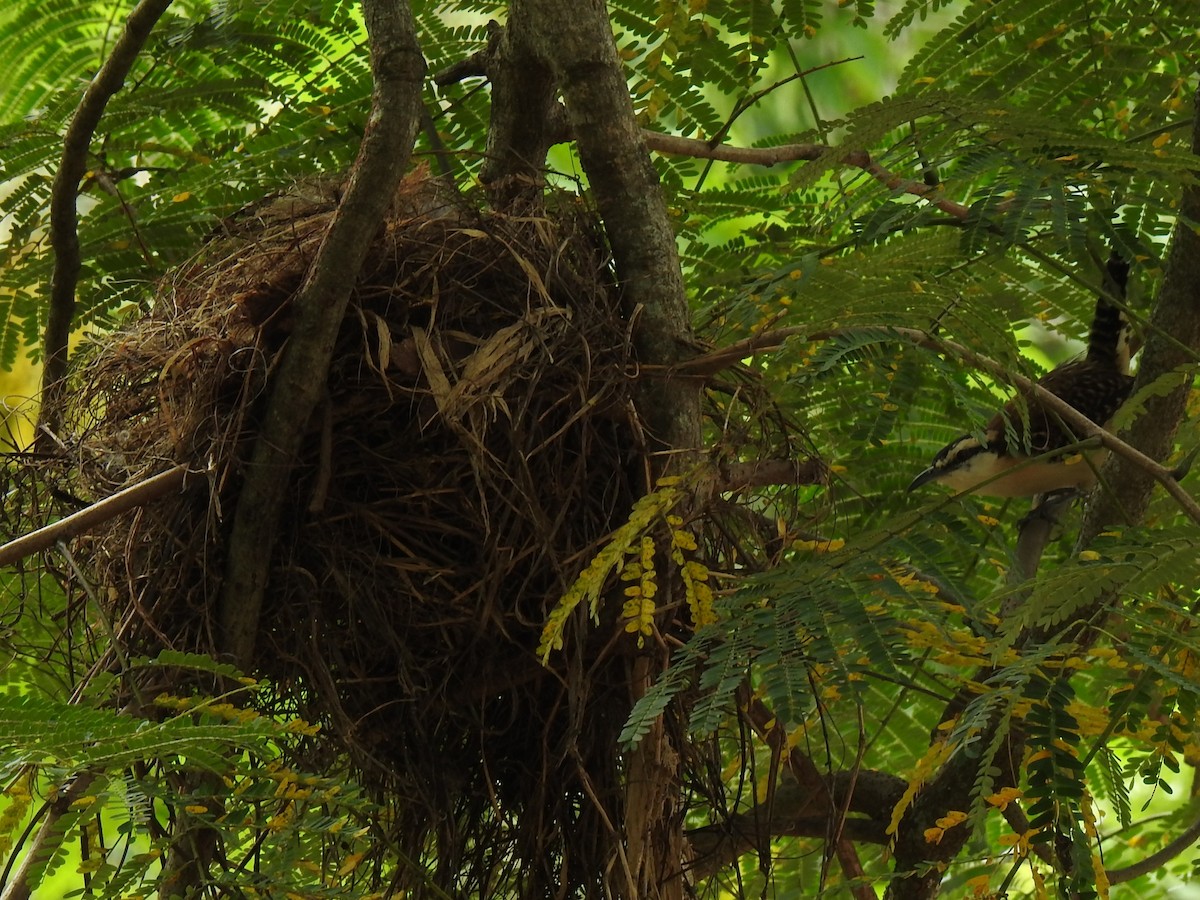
[(474, 447)]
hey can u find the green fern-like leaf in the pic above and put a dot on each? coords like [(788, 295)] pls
[(39, 731), (1113, 779)]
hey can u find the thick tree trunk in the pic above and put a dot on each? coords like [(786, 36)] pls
[(1172, 340), (575, 37)]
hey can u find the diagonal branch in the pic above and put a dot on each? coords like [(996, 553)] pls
[(320, 305), (64, 213), (1157, 859), (770, 156), (89, 517), (1083, 427), (49, 836)]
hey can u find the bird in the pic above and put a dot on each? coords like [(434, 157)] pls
[(1015, 456)]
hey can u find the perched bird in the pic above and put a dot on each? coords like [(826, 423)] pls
[(998, 464)]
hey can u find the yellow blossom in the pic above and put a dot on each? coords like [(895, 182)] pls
[(1003, 797)]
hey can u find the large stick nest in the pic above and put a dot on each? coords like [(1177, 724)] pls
[(474, 447)]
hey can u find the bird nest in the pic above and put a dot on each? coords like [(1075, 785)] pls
[(474, 447)]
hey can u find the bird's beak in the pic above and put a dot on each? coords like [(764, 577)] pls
[(925, 477)]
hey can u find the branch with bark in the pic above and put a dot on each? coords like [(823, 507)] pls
[(483, 64), (398, 68), (794, 810), (771, 156), (1172, 341), (520, 129), (576, 42), (1083, 427)]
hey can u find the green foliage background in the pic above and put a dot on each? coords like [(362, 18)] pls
[(1062, 125)]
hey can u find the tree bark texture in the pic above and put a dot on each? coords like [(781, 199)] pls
[(524, 93), (398, 68), (575, 38), (1173, 340)]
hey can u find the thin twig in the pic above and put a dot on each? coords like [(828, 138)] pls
[(97, 514), (64, 213), (770, 156), (1158, 858), (813, 785), (748, 102)]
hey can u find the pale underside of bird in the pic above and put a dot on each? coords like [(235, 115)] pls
[(1026, 449)]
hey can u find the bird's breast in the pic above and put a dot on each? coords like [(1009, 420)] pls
[(990, 475)]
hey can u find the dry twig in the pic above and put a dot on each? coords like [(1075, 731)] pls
[(90, 517)]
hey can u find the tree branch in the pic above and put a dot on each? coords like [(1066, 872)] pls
[(788, 813), (1083, 427), (743, 476), (1157, 859), (575, 38), (64, 212), (320, 305), (89, 517), (770, 156)]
